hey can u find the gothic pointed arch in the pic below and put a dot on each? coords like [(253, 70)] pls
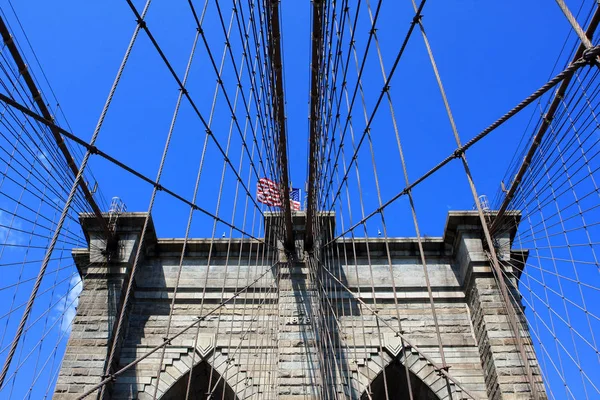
[(392, 384), (205, 380)]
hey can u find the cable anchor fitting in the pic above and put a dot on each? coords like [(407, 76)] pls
[(590, 54), (111, 377)]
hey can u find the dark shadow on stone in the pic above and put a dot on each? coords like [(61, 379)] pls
[(303, 291), (324, 352), (397, 385), (149, 278), (335, 304), (114, 269), (201, 384)]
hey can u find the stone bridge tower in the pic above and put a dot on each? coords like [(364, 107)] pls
[(280, 359)]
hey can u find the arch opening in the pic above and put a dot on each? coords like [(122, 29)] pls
[(397, 386), (201, 385)]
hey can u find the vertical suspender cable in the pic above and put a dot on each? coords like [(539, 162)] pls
[(317, 33), (275, 58), (66, 210), (547, 120), (39, 101), (511, 311)]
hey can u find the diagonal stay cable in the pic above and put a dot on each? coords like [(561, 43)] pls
[(185, 244), (168, 341), (129, 281), (237, 74), (141, 22), (23, 70), (584, 51), (570, 70), (384, 90), (67, 207), (513, 313), (94, 150), (441, 370)]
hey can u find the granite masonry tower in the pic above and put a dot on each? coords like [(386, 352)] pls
[(264, 339)]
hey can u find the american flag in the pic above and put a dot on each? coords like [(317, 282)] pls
[(267, 192), (295, 199)]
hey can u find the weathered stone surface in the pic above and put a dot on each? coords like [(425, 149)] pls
[(265, 342)]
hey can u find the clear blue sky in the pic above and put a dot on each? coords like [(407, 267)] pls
[(491, 55)]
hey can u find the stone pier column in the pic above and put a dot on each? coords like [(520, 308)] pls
[(91, 333), (505, 374), (298, 368)]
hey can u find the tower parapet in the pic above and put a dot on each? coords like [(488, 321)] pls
[(284, 353)]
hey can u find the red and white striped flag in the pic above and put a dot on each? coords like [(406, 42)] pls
[(268, 192)]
